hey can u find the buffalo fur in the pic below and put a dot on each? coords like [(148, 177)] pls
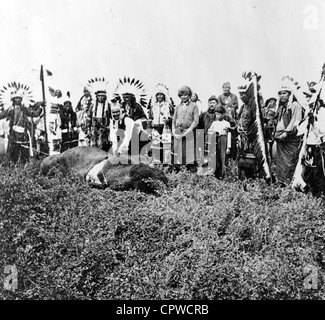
[(77, 160), (132, 176), (120, 173)]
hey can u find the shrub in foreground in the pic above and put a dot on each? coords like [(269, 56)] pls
[(200, 239)]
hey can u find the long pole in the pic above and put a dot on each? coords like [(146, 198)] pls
[(44, 108), (298, 181)]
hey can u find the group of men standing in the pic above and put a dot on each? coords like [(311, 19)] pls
[(124, 123)]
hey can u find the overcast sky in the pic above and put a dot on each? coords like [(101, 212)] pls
[(200, 43)]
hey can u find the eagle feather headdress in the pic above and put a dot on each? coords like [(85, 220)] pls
[(97, 86), (256, 130), (134, 87), (16, 89), (288, 83), (161, 88)]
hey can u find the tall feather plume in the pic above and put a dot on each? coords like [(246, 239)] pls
[(256, 131), (298, 182)]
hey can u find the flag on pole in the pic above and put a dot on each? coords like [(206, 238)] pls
[(48, 73)]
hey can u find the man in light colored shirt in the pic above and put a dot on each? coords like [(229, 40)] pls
[(121, 130), (220, 127)]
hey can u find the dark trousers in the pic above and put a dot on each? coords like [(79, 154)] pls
[(69, 140), (157, 147), (313, 173), (18, 151), (217, 155), (99, 138)]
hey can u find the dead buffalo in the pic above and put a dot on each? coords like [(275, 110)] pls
[(103, 170)]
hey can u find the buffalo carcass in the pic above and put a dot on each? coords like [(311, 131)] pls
[(103, 170)]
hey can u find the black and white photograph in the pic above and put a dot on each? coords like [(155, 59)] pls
[(162, 150)]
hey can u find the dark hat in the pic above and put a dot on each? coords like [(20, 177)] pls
[(269, 100), (213, 98), (226, 85)]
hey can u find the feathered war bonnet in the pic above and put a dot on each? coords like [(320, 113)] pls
[(133, 87), (13, 90), (161, 88), (246, 86), (288, 84), (97, 86)]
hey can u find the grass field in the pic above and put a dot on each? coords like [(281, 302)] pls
[(202, 238)]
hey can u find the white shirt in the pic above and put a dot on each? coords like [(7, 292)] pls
[(99, 110), (220, 127), (318, 129), (160, 112), (124, 145)]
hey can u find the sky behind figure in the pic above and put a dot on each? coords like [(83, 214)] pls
[(199, 43)]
